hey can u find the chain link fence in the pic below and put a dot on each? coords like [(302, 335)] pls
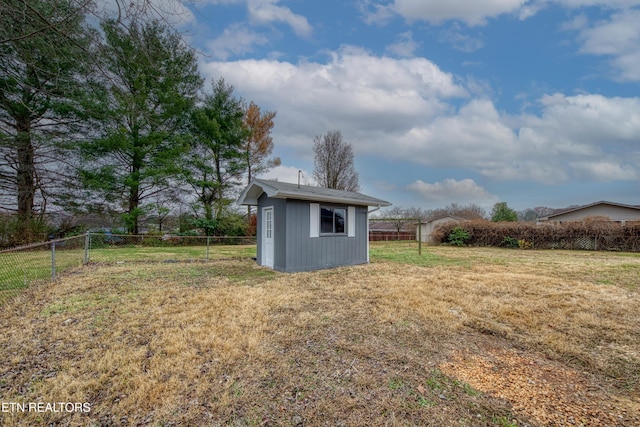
[(28, 265), (616, 242), (41, 262), (120, 248)]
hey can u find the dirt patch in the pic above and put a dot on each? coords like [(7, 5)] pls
[(546, 392)]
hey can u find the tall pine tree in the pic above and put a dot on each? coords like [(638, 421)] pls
[(43, 88), (153, 82), (217, 160)]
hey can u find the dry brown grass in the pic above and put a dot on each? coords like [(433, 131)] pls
[(229, 343)]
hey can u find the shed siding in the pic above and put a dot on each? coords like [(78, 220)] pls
[(306, 253), (429, 227), (295, 250)]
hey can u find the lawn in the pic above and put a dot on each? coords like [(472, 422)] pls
[(19, 269), (457, 336)]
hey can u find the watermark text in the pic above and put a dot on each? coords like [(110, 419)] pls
[(41, 407)]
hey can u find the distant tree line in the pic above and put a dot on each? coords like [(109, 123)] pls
[(402, 218), (500, 212), (115, 122)]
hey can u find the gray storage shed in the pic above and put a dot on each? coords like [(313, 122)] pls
[(303, 228)]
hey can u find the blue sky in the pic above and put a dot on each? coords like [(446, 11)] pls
[(529, 102)]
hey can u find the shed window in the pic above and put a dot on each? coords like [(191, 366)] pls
[(333, 220)]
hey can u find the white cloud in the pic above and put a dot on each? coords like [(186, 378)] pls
[(354, 90), (580, 137), (578, 23), (223, 1), (474, 137), (604, 170), (472, 12), (450, 190), (461, 41), (609, 4), (405, 46), (284, 173), (619, 38), (404, 110), (375, 13), (267, 11), (589, 136), (241, 38), (592, 118), (236, 40)]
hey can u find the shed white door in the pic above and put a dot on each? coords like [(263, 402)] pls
[(267, 237)]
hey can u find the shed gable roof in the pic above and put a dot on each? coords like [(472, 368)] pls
[(286, 190), (442, 217)]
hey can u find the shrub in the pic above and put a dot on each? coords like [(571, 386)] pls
[(510, 242), (459, 236), (16, 232), (524, 244), (588, 235)]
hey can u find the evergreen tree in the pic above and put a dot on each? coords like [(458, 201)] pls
[(217, 157), (152, 81), (501, 212), (43, 92)]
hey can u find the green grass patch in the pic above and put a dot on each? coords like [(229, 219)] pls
[(131, 253), (408, 253)]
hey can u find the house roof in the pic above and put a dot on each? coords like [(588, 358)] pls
[(443, 216), (285, 190), (578, 208)]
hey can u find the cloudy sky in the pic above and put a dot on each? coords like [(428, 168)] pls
[(529, 102)]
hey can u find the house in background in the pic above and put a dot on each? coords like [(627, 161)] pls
[(616, 212), (303, 228), (429, 225)]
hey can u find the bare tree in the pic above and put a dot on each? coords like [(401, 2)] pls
[(333, 162), (399, 218), (470, 211), (532, 214)]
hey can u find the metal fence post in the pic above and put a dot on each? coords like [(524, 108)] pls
[(419, 236), (53, 261), (207, 248), (87, 243)]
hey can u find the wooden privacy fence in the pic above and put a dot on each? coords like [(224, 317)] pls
[(390, 229), (388, 237)]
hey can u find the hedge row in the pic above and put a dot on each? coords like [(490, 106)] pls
[(588, 235)]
